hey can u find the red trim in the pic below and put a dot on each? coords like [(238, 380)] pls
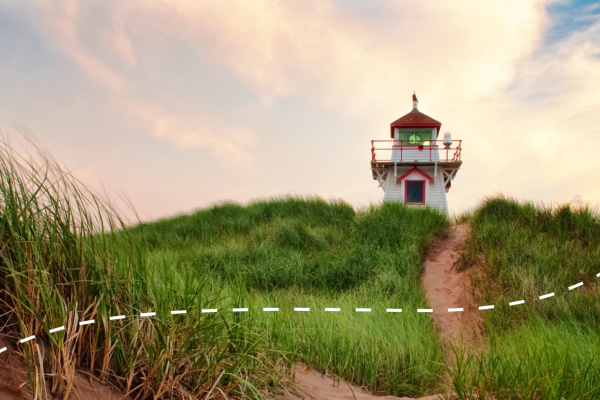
[(415, 119), (446, 154), (406, 191), (415, 169)]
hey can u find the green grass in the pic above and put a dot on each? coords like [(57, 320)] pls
[(306, 252), (66, 256), (543, 349)]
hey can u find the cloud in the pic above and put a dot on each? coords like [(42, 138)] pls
[(61, 21), (116, 40), (526, 110), (233, 145), (282, 48), (99, 42)]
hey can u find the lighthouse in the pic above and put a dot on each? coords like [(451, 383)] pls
[(415, 167)]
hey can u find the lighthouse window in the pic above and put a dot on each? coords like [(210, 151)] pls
[(415, 192), (414, 136)]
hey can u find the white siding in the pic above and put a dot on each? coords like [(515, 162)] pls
[(413, 154), (390, 180), (435, 193), (438, 193), (392, 189), (443, 190)]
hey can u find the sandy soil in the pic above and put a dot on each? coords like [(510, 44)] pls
[(315, 386), (14, 383), (12, 373), (445, 288)]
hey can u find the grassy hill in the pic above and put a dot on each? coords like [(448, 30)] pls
[(66, 257), (546, 348), (294, 252)]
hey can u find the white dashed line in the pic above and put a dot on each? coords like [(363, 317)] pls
[(575, 285), (214, 310), (147, 314), (2, 350), (27, 339)]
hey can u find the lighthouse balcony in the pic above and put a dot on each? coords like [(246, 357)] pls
[(422, 153)]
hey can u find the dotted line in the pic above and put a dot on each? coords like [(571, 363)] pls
[(148, 314), (27, 339), (275, 309)]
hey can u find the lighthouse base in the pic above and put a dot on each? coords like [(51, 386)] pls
[(416, 184)]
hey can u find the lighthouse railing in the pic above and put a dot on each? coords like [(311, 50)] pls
[(435, 150)]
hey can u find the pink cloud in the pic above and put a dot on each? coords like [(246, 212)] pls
[(61, 20)]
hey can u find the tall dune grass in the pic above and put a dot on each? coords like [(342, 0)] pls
[(543, 349), (307, 252), (65, 257)]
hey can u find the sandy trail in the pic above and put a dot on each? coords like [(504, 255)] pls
[(445, 288), (316, 386)]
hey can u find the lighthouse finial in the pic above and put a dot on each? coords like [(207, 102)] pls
[(415, 101)]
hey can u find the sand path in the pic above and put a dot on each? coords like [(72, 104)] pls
[(445, 288), (313, 385)]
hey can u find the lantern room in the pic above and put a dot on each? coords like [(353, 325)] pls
[(415, 127)]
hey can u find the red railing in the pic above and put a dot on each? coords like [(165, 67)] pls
[(452, 152)]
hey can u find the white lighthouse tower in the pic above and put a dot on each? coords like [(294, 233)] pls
[(414, 167)]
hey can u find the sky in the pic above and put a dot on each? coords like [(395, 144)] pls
[(178, 105)]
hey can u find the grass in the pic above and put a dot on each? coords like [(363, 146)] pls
[(543, 349), (306, 252), (66, 257)]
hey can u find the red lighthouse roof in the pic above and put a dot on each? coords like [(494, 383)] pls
[(415, 119)]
